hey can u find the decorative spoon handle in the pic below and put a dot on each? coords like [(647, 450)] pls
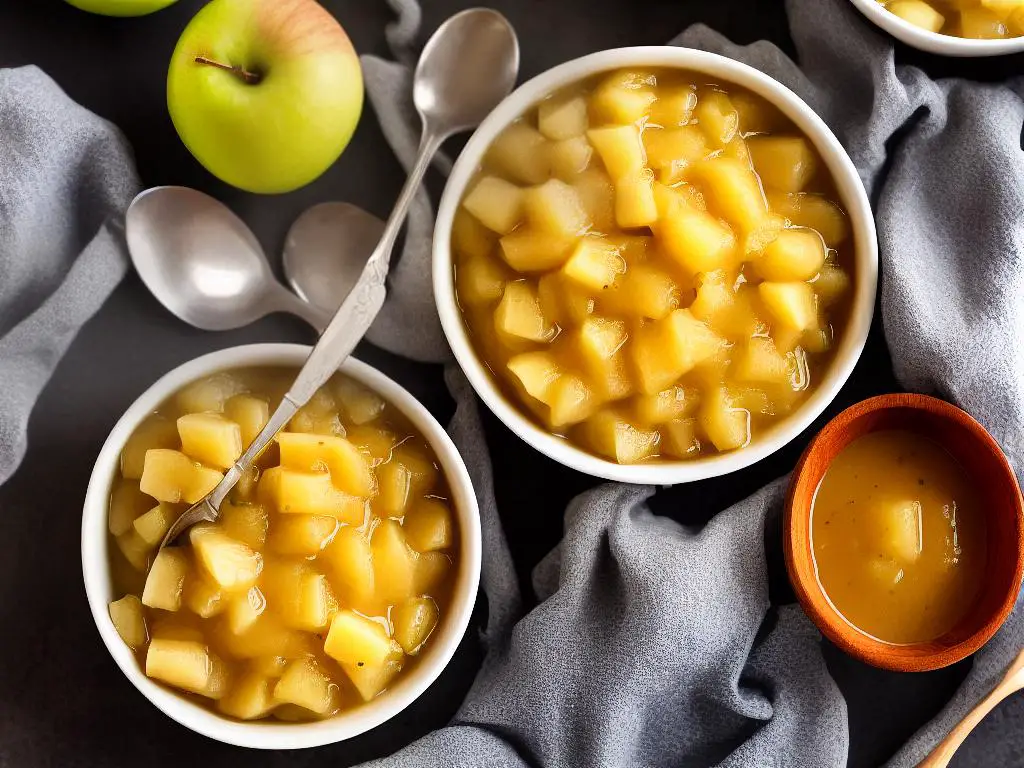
[(339, 339), (1012, 681)]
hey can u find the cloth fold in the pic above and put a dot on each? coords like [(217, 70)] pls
[(654, 645), (66, 177)]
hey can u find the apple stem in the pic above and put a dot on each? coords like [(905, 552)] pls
[(249, 77)]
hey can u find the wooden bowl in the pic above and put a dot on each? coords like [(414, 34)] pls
[(980, 456)]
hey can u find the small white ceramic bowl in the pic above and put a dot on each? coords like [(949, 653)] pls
[(270, 734), (716, 69), (933, 42)]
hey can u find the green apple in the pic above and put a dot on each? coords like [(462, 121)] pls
[(121, 7), (265, 93)]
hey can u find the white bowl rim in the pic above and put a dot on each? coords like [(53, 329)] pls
[(935, 42), (267, 734), (851, 192)]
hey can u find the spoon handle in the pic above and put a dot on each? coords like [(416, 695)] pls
[(1012, 680)]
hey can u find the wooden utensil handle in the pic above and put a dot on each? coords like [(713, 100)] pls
[(1012, 681)]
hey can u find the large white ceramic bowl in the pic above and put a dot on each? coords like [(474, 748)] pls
[(269, 734), (716, 69), (933, 42)]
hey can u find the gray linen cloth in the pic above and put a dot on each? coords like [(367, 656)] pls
[(65, 177), (654, 644)]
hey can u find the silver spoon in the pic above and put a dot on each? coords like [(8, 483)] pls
[(467, 67), (326, 250), (205, 265)]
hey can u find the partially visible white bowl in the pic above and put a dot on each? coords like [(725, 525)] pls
[(933, 42), (721, 70), (268, 734)]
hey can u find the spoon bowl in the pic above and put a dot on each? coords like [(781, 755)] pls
[(326, 250), (203, 263)]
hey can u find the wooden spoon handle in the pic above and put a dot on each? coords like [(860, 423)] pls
[(1011, 681)]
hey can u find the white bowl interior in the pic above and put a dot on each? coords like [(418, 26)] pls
[(266, 734), (716, 69), (933, 42)]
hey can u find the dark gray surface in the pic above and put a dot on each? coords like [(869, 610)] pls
[(76, 708)]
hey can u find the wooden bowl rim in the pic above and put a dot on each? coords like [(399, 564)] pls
[(904, 657)]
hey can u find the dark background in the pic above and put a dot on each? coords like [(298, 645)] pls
[(71, 705)]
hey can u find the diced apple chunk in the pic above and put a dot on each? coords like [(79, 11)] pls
[(520, 153), (623, 97), (679, 438), (356, 639), (210, 438), (761, 363), (898, 530), (413, 621), (527, 251), (134, 549), (305, 535), (154, 432), (350, 564), (570, 158), (153, 526), (246, 523), (428, 526), (250, 698), (496, 203), (249, 413), (714, 297), (672, 403), (562, 300), (634, 200), (267, 636), (612, 436), (376, 442), (698, 241), (785, 163), (536, 372), (562, 117), (620, 149), (129, 620), (570, 400), (188, 665), (981, 24), (431, 570), (796, 254), (481, 280), (229, 563), (734, 192), (470, 238), (313, 493), (166, 580), (173, 477), (716, 116), (348, 468), (209, 394), (597, 196), (595, 264), (394, 563), (423, 473), (792, 304), (394, 482), (644, 291), (203, 597), (306, 685), (307, 603), (243, 610), (127, 502), (831, 285), (671, 151), (728, 427), (666, 349), (370, 680), (555, 207), (674, 106), (519, 315), (814, 212)]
